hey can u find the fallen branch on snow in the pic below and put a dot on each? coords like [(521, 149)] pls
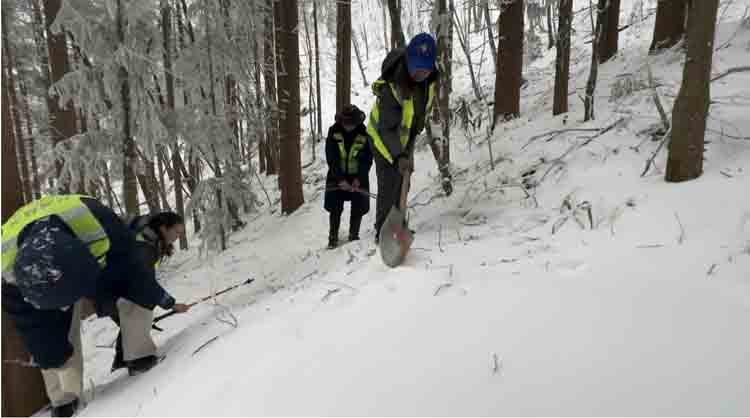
[(681, 239), (205, 344)]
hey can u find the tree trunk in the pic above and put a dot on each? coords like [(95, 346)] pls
[(23, 391), (317, 70), (61, 119), (588, 101), (35, 185), (490, 35), (670, 24), (15, 112), (685, 160), (550, 29), (272, 125), (359, 60), (610, 32), (343, 54), (441, 112), (397, 33), (217, 164), (510, 62), (562, 61), (463, 39), (312, 105), (386, 44), (289, 101), (108, 185), (130, 181)]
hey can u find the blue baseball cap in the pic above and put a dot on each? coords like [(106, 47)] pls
[(420, 53)]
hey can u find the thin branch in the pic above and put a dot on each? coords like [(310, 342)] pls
[(733, 70), (650, 161), (681, 239)]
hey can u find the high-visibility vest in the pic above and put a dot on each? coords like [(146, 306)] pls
[(76, 215), (142, 238), (349, 161), (407, 115)]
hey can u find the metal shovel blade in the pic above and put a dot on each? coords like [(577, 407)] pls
[(395, 238)]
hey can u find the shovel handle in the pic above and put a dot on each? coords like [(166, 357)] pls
[(405, 183)]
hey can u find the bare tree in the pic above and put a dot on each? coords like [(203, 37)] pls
[(359, 59), (685, 160), (588, 102), (610, 31), (62, 120), (317, 69), (510, 61), (441, 112), (314, 106), (166, 25), (397, 33), (272, 105), (290, 176), (23, 390), (9, 59), (343, 53), (35, 186), (463, 39), (670, 24), (549, 7), (490, 35), (130, 181), (562, 61)]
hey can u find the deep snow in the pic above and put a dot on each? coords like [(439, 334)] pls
[(492, 314)]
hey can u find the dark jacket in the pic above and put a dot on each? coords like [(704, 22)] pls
[(334, 199), (394, 70), (127, 275)]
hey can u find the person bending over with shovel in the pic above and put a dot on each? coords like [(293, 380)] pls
[(155, 235), (349, 160), (404, 95)]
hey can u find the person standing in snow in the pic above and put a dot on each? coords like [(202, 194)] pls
[(56, 251), (349, 160), (155, 235), (404, 95)]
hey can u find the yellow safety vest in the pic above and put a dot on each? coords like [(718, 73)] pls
[(350, 160), (76, 215), (407, 115), (140, 237)]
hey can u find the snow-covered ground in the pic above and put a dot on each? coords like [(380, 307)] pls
[(493, 313)]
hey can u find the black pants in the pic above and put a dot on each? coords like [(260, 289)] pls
[(389, 190)]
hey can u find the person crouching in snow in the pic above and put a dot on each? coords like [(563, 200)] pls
[(58, 250), (349, 160), (154, 235), (404, 95)]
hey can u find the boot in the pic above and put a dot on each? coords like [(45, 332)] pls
[(141, 365), (333, 234), (354, 223), (65, 410)]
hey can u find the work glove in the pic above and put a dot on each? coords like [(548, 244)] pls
[(405, 166), (344, 185)]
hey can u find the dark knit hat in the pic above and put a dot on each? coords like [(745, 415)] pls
[(350, 115)]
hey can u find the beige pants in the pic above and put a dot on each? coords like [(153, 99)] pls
[(135, 325), (65, 384)]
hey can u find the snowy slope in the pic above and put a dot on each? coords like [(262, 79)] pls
[(646, 313)]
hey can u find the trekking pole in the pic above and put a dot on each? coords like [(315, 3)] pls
[(363, 192), (172, 312)]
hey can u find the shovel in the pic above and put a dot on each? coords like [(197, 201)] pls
[(395, 236)]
